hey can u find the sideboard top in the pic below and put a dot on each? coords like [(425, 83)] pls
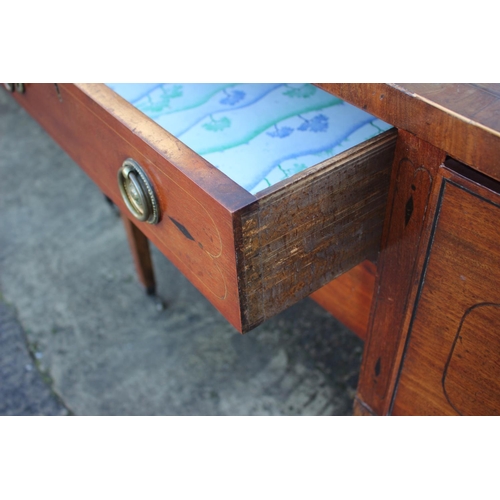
[(463, 119), (477, 102)]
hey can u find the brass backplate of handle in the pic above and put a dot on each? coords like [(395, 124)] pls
[(137, 192)]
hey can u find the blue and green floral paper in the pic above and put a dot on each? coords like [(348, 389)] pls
[(257, 134)]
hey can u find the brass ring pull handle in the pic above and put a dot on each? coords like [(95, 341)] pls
[(137, 192)]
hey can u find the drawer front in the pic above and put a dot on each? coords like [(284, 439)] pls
[(195, 231), (251, 256)]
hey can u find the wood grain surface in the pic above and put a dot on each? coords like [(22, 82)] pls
[(451, 361), (302, 233), (415, 166), (461, 119), (349, 297)]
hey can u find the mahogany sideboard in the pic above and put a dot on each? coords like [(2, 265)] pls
[(397, 237)]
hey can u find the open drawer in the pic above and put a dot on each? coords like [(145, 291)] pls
[(252, 251)]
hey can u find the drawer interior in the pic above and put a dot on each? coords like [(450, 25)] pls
[(256, 134)]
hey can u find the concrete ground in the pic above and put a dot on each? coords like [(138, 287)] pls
[(79, 336)]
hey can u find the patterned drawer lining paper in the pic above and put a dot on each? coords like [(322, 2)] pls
[(257, 134)]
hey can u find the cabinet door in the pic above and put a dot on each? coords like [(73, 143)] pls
[(451, 363)]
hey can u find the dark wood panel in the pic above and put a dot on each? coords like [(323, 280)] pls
[(452, 359), (295, 240), (349, 297), (415, 166), (461, 119)]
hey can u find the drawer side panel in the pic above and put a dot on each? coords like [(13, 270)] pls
[(301, 236)]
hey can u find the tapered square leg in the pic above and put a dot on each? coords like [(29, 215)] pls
[(139, 246)]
